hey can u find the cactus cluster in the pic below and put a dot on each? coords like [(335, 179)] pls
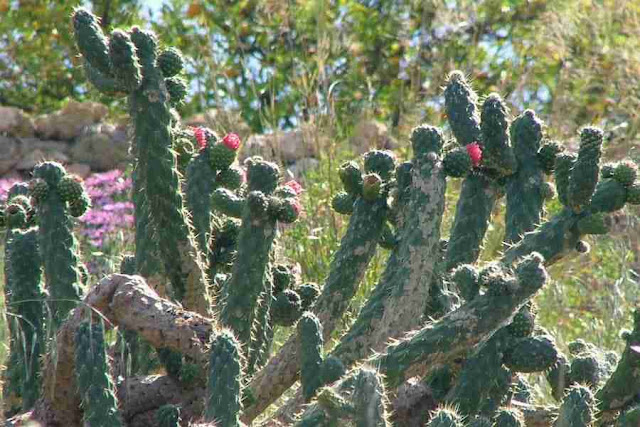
[(207, 286)]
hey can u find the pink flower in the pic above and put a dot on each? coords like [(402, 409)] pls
[(201, 136), (232, 141), (295, 186), (475, 153)]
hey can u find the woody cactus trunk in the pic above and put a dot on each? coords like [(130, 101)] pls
[(440, 340)]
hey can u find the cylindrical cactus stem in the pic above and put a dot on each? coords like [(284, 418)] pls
[(257, 233), (369, 399), (478, 197), (347, 269), (630, 417), (92, 42), (442, 341), (445, 417), (311, 347), (462, 111), (584, 174), (531, 354), (25, 300), (153, 138), (497, 154), (483, 383), (508, 417), (623, 384), (525, 188), (262, 334), (200, 182), (95, 384), (223, 402), (58, 245), (577, 409), (564, 165), (156, 166), (168, 416), (400, 297)]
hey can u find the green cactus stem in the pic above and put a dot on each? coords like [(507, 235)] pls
[(25, 301), (258, 230), (400, 297), (224, 386), (585, 171), (623, 384), (463, 328), (311, 347), (263, 329), (200, 184), (483, 383), (369, 399), (525, 189), (153, 141), (349, 263), (57, 243), (168, 416), (461, 108), (95, 384), (531, 354), (629, 418), (507, 417), (577, 409), (497, 154)]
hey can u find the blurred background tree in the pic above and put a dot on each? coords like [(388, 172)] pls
[(281, 62)]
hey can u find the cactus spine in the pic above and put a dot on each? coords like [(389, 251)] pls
[(311, 346), (223, 388), (95, 385)]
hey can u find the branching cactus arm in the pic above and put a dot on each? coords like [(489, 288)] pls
[(55, 193), (347, 269)]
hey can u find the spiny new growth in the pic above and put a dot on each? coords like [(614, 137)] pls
[(57, 197), (95, 384)]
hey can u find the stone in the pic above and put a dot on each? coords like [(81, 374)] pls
[(10, 152), (32, 158), (79, 169), (222, 122), (288, 146), (101, 151), (15, 122), (31, 144), (369, 135), (300, 168), (71, 121)]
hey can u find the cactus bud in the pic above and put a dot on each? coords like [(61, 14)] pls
[(351, 178), (343, 203), (625, 172), (170, 62), (457, 163)]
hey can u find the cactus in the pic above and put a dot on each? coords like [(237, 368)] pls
[(311, 344), (25, 301), (223, 388), (348, 265), (577, 409), (261, 212), (168, 416), (95, 385), (57, 243), (525, 197), (128, 66), (445, 417), (401, 295), (585, 171), (369, 400)]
